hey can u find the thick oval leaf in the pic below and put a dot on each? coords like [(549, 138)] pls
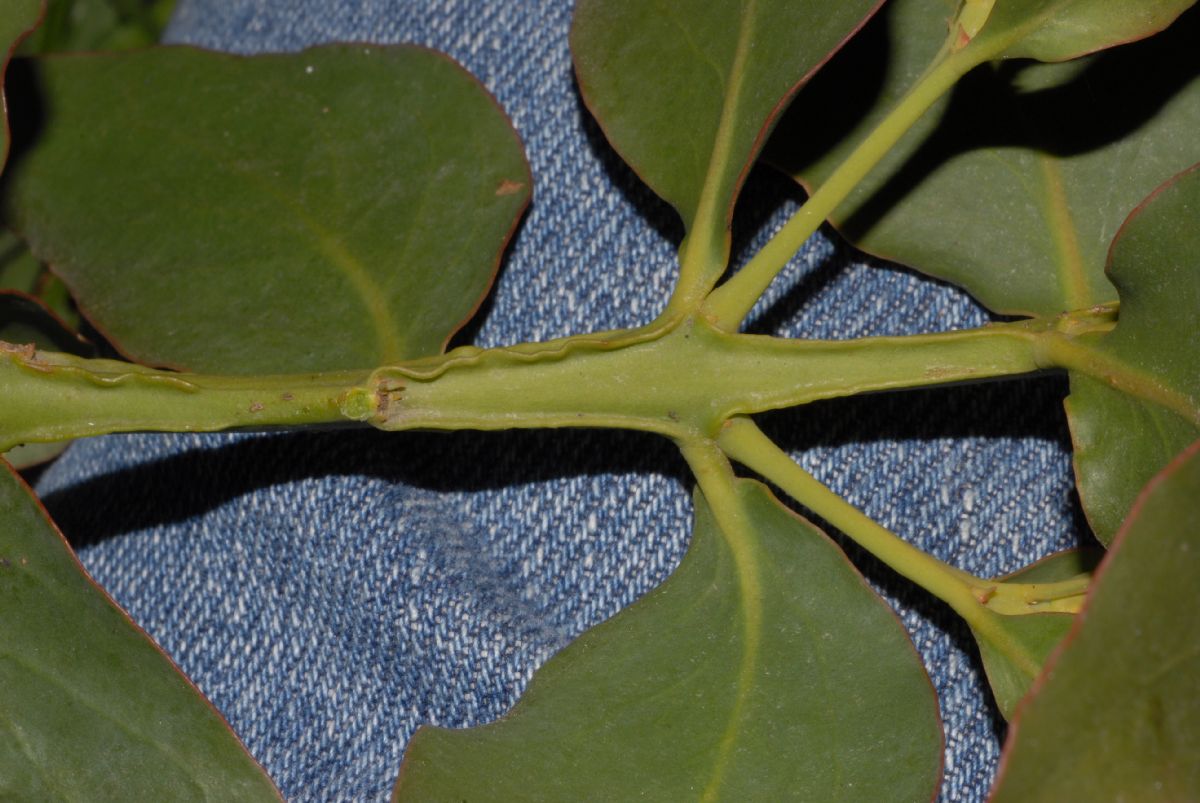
[(1057, 30), (798, 684), (1014, 186), (1116, 716), (18, 18), (341, 207), (1121, 441), (1012, 667), (89, 707), (686, 91)]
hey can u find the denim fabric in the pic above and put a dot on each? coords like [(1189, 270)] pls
[(330, 592)]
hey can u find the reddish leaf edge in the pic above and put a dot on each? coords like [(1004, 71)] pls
[(941, 774), (1137, 37), (518, 218), (7, 57), (764, 132), (880, 254), (1014, 725), (883, 256), (66, 333), (7, 467), (1084, 552), (1108, 262), (1139, 209), (501, 251), (519, 705)]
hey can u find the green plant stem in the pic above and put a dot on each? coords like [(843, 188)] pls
[(679, 381), (686, 379), (1063, 596), (975, 599), (728, 305), (744, 442), (52, 397)]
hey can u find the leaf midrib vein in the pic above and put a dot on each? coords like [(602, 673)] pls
[(1072, 269), (48, 780), (707, 213), (750, 591), (54, 680)]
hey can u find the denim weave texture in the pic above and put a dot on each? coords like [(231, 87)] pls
[(330, 592)]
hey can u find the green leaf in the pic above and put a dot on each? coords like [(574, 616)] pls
[(1116, 715), (90, 709), (28, 455), (342, 207), (1121, 438), (1032, 637), (18, 18), (1015, 185), (1057, 30), (21, 272), (19, 269), (687, 91), (99, 25), (763, 669), (1058, 567), (1012, 667)]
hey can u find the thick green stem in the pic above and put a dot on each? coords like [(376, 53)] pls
[(683, 380), (728, 305), (53, 397), (677, 381)]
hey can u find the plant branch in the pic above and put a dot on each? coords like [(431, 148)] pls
[(688, 378), (680, 380), (744, 442), (729, 304), (974, 599), (54, 397)]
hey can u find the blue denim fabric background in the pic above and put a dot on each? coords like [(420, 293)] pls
[(330, 592)]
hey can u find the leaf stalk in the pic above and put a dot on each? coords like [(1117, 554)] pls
[(728, 305), (975, 599)]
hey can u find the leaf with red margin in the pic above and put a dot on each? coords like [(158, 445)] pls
[(22, 273), (90, 709), (1057, 30), (1141, 404), (763, 669), (342, 207), (1033, 635), (19, 18), (687, 91), (1116, 714), (1014, 185)]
